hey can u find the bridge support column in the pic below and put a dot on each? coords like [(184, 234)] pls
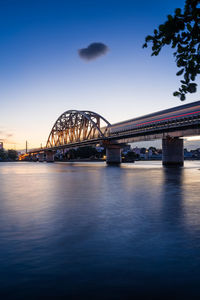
[(172, 152), (113, 154), (49, 156), (41, 157)]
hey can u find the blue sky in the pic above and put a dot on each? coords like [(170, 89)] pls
[(41, 74)]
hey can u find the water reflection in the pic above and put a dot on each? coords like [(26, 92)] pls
[(87, 231), (172, 194)]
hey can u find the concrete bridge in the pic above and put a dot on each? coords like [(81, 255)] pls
[(83, 128)]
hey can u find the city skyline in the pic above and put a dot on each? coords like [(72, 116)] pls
[(42, 74)]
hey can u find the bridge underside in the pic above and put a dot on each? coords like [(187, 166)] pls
[(157, 135), (172, 142)]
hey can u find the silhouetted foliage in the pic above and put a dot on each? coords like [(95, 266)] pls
[(182, 32), (143, 150), (12, 155), (131, 156), (8, 155), (82, 152), (153, 149), (86, 152), (71, 154), (3, 155)]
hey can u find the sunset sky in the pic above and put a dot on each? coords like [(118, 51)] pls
[(42, 74)]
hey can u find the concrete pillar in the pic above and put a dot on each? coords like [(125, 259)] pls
[(41, 157), (113, 155), (49, 156), (172, 152)]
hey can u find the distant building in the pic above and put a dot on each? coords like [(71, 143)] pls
[(1, 145)]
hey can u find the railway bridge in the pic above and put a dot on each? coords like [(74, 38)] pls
[(76, 128)]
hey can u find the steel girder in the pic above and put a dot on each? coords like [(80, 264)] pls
[(76, 126)]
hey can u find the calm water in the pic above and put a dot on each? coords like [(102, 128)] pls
[(84, 230)]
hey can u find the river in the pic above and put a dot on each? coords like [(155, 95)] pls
[(88, 231)]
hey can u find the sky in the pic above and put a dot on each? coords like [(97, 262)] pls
[(45, 68)]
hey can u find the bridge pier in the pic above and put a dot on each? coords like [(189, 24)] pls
[(49, 156), (172, 152), (41, 156), (113, 154)]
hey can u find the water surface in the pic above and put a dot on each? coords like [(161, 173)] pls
[(84, 230)]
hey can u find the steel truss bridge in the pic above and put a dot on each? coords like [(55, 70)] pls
[(76, 128)]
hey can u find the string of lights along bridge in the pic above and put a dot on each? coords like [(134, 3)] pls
[(76, 128)]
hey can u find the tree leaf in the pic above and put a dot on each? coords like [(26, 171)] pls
[(182, 97), (192, 87), (180, 72), (189, 27), (178, 11)]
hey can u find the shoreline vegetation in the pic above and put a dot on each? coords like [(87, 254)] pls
[(98, 154), (8, 155), (95, 160)]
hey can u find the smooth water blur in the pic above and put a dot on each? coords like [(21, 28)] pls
[(88, 231)]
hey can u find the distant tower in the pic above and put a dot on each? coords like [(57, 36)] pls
[(26, 146), (1, 145)]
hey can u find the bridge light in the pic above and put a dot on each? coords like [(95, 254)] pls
[(193, 138)]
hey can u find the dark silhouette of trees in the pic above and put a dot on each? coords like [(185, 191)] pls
[(86, 152), (10, 155), (3, 155), (82, 153), (131, 156), (182, 32)]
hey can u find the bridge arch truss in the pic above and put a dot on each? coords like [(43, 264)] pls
[(75, 126)]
